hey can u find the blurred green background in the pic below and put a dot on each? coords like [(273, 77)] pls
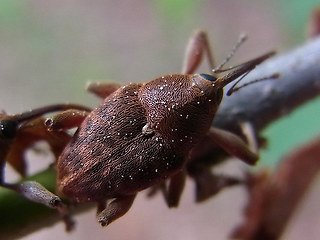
[(50, 49)]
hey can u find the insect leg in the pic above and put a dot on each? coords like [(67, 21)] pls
[(115, 209), (37, 193), (233, 145), (196, 47), (175, 189), (65, 120), (102, 90), (209, 184)]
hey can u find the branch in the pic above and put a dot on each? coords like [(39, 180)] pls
[(259, 104), (262, 103)]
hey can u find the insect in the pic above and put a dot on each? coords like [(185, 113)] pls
[(144, 134)]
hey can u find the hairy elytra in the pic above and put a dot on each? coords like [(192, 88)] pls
[(110, 153)]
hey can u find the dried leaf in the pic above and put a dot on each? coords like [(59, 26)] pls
[(273, 199)]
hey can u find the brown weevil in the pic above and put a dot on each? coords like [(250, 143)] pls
[(142, 134)]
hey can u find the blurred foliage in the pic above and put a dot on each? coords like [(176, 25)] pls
[(11, 12), (294, 15), (175, 11), (291, 131)]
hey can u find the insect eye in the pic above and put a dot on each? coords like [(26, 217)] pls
[(8, 128), (208, 77)]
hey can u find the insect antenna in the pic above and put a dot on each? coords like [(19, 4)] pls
[(47, 109), (235, 89), (242, 38)]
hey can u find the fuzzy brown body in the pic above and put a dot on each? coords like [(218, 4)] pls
[(140, 135)]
